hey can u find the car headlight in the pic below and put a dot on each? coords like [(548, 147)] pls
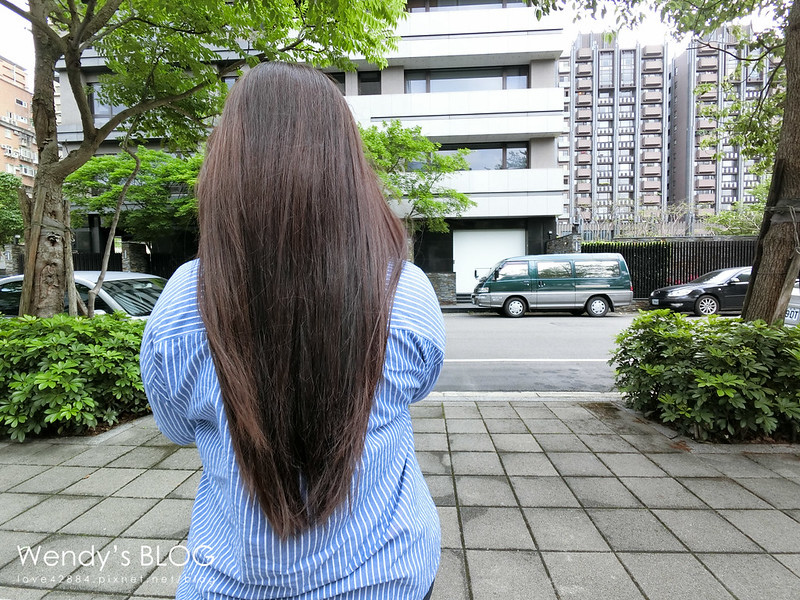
[(679, 292), (483, 290)]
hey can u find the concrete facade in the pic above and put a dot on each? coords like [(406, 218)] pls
[(19, 156)]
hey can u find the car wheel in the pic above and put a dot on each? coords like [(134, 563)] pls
[(514, 307), (597, 306), (706, 305)]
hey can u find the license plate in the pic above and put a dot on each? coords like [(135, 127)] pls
[(792, 314), (654, 301)]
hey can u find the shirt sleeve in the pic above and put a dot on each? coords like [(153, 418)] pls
[(171, 415)]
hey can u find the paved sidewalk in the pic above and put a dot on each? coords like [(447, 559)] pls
[(540, 496)]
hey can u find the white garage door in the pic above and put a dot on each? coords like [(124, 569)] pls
[(480, 249)]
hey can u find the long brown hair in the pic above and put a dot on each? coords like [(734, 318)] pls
[(299, 258)]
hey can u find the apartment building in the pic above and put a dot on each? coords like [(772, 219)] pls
[(480, 75), (704, 182), (19, 155), (615, 140)]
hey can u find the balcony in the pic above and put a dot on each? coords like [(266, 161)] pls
[(651, 112), (707, 78), (651, 199), (651, 171), (652, 65), (583, 158), (652, 81), (582, 188), (706, 169), (707, 63), (584, 100), (706, 184), (583, 144), (652, 51), (650, 186), (652, 141), (652, 97), (583, 114), (583, 54), (583, 84), (583, 173), (583, 130), (705, 198)]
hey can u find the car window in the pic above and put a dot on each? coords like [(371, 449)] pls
[(744, 276), (10, 294), (136, 296), (99, 303), (596, 269), (554, 270), (513, 270)]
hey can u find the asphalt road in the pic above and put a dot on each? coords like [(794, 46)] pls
[(538, 352)]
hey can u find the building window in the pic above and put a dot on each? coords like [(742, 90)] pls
[(434, 5), (466, 80), (100, 109), (627, 71), (21, 103), (606, 69), (492, 157), (369, 83), (338, 79)]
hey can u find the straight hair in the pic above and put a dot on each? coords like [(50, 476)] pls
[(299, 259)]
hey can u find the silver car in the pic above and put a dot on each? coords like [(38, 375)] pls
[(132, 293), (793, 310)]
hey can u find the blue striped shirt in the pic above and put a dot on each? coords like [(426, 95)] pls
[(384, 545)]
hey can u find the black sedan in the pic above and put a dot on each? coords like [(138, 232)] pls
[(722, 290)]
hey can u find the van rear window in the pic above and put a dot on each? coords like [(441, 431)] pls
[(596, 269)]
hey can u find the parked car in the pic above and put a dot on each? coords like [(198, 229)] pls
[(718, 291), (793, 310), (592, 283), (132, 293)]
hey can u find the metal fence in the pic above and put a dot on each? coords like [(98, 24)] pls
[(657, 263), (91, 261)]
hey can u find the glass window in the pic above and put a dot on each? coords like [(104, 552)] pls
[(416, 82), (491, 157), (513, 270), (606, 69), (338, 79), (99, 303), (369, 83), (627, 74), (466, 80), (554, 270), (10, 294), (596, 268), (136, 296)]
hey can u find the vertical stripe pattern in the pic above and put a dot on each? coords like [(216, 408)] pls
[(385, 545)]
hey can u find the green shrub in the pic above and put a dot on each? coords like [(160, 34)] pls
[(65, 374), (712, 378)]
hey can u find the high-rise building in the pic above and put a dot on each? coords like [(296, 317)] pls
[(614, 148), (17, 139), (709, 180), (481, 76)]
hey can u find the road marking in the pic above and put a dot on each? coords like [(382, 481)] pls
[(523, 360)]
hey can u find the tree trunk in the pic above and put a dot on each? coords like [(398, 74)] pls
[(777, 260)]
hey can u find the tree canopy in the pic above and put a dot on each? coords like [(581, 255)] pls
[(10, 215)]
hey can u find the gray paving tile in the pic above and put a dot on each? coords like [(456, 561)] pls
[(11, 475), (634, 530), (451, 580), (683, 465), (515, 442), (13, 504), (470, 442), (143, 457), (51, 514), (16, 593), (790, 561), (38, 453), (428, 425), (32, 571), (735, 571), (154, 483), (129, 563), (601, 492), (528, 411), (434, 462), (110, 517), (564, 529), (665, 576), (12, 541), (630, 465), (508, 575), (543, 492), (441, 489), (451, 530), (590, 576), (182, 458), (133, 436), (461, 411), (661, 492), (506, 426), (84, 596), (705, 531), (571, 412), (770, 529), (97, 456), (605, 443), (722, 493), (159, 440), (53, 480), (497, 411), (476, 463), (486, 528), (589, 426), (651, 442), (551, 425), (169, 518), (780, 493), (787, 465), (430, 442), (426, 411), (526, 463), (103, 482), (736, 465), (163, 581), (466, 426), (578, 464), (188, 489), (560, 442), (488, 490)]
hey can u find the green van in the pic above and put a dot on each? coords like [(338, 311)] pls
[(594, 283)]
